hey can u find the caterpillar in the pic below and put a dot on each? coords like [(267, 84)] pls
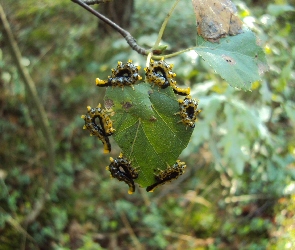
[(188, 111), (104, 119), (127, 175), (167, 175), (124, 75), (160, 73), (180, 91), (101, 130)]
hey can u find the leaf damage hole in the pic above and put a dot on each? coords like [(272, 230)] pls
[(108, 103), (229, 59), (153, 119), (126, 105), (150, 92)]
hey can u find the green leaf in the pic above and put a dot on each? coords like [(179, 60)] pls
[(290, 110), (279, 9), (147, 129), (237, 59)]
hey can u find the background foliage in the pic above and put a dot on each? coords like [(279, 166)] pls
[(238, 191)]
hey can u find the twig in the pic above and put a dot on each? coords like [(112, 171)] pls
[(44, 123), (135, 240), (164, 24), (191, 239), (174, 54), (92, 2), (128, 37), (14, 223), (246, 198)]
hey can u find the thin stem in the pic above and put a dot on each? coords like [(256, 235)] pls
[(161, 32), (14, 223), (128, 37), (164, 24), (150, 55), (175, 53), (135, 240)]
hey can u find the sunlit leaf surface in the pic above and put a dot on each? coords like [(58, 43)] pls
[(147, 129), (237, 59)]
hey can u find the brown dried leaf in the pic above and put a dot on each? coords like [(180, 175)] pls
[(216, 19)]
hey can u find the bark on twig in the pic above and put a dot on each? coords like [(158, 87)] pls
[(128, 37), (92, 2)]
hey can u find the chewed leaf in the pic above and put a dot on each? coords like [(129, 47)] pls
[(216, 19), (237, 59), (147, 129)]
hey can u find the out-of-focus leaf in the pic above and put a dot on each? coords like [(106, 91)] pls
[(237, 59), (279, 9), (290, 110), (147, 129)]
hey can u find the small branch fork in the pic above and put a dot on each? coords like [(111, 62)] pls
[(151, 53), (128, 37)]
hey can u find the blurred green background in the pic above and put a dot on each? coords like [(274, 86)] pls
[(238, 191)]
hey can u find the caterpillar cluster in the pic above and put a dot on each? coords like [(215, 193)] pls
[(167, 175), (160, 73), (124, 75), (127, 175), (98, 122), (103, 129)]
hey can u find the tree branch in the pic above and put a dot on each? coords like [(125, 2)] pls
[(44, 123), (128, 37), (92, 2)]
